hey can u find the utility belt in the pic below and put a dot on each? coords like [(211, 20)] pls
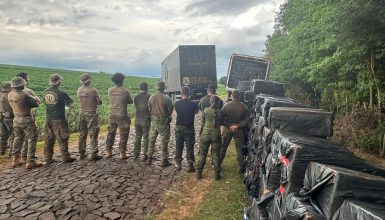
[(6, 115)]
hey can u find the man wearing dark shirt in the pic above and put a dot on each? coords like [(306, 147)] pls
[(56, 125), (142, 121), (184, 129), (205, 101)]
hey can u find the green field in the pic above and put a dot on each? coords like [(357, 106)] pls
[(38, 78)]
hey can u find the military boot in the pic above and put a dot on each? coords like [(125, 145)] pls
[(16, 162), (23, 160), (95, 157), (149, 161), (32, 164), (68, 159), (136, 156), (145, 157), (199, 174), (50, 161), (178, 165), (82, 156), (165, 163), (191, 168), (217, 175), (109, 154), (123, 155)]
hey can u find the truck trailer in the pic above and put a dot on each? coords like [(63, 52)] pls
[(189, 65), (244, 68)]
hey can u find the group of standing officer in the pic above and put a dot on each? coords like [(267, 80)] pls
[(153, 115)]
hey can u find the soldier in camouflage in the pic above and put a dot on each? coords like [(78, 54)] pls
[(119, 98), (184, 129), (89, 119), (142, 120), (205, 101), (160, 106), (56, 125), (6, 120), (30, 92), (24, 123), (212, 119), (237, 117)]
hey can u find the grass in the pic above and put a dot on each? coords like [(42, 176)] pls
[(207, 199), (102, 81)]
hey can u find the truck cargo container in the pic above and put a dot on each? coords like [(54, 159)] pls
[(189, 65)]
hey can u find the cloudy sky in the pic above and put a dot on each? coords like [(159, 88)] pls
[(130, 36)]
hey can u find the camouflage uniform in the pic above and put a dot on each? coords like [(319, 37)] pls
[(185, 132), (89, 120), (236, 113), (56, 125), (30, 92), (24, 123), (119, 99), (212, 119), (6, 121), (205, 103), (160, 107), (142, 123)]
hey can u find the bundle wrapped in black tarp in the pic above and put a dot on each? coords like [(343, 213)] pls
[(254, 212), (328, 186), (306, 121), (274, 102), (358, 210), (295, 152), (267, 87), (271, 172), (294, 207)]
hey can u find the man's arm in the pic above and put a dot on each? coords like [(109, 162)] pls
[(98, 98), (129, 98), (246, 119)]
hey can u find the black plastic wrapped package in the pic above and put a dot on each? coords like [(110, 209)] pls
[(260, 99), (305, 121), (328, 186), (358, 210), (272, 102), (267, 87), (295, 152)]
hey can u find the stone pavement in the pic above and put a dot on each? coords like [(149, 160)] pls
[(105, 189)]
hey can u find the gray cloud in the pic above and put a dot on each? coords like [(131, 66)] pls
[(130, 36), (206, 7)]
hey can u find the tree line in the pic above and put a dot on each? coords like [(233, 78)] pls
[(332, 50)]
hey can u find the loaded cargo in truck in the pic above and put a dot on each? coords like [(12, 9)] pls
[(190, 65), (246, 68), (243, 69)]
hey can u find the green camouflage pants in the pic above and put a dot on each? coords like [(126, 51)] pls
[(56, 129), (142, 128), (115, 122), (161, 126), (213, 138), (25, 128), (239, 138), (184, 135), (88, 124), (6, 135)]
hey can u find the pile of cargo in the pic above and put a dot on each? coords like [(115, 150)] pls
[(294, 170)]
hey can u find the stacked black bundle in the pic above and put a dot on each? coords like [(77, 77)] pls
[(328, 186), (358, 210), (284, 138)]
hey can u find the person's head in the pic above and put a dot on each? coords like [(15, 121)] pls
[(118, 79), (235, 95), (185, 92), (143, 86), (85, 79), (24, 76), (211, 89), (6, 87), (161, 86), (214, 101), (17, 83), (55, 80)]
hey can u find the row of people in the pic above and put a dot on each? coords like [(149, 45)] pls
[(152, 118)]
